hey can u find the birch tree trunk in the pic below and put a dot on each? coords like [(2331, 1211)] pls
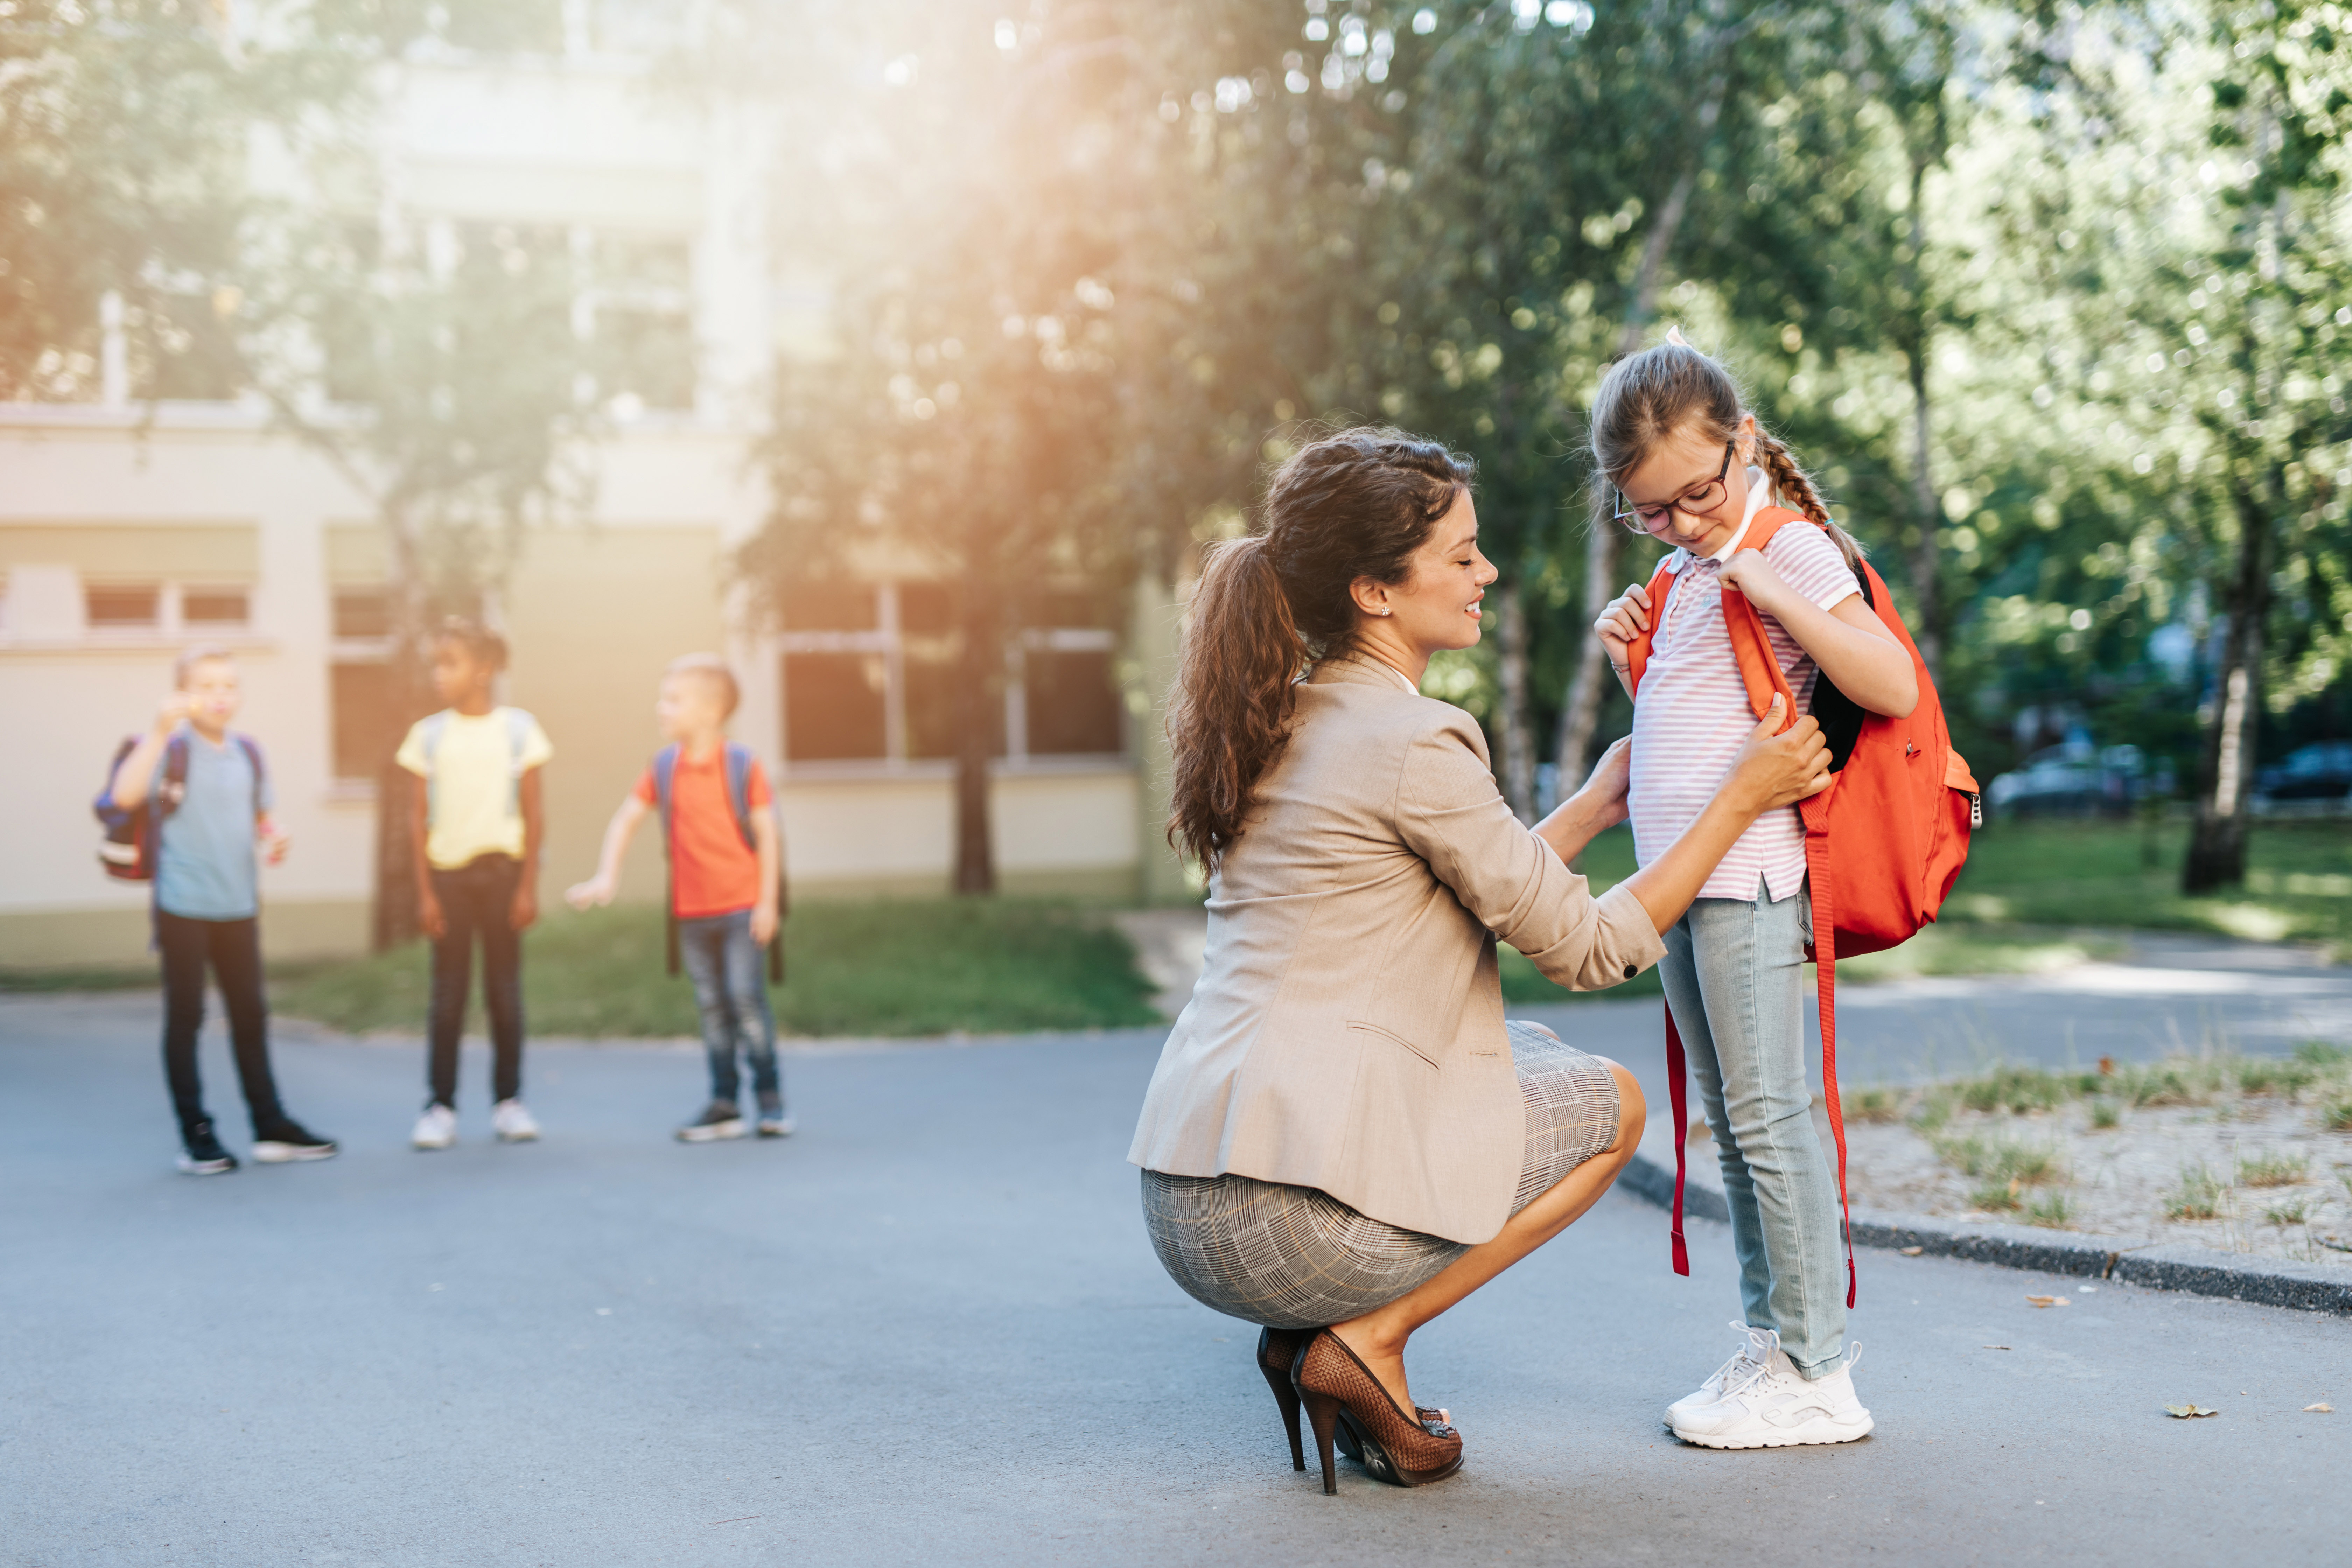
[(1926, 552), (2217, 847), (1518, 760), (1604, 544)]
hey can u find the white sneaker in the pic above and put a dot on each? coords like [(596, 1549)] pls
[(1771, 1406), (1756, 1348), (513, 1123), (436, 1129)]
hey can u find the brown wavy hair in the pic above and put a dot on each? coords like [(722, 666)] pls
[(1646, 397), (1354, 503)]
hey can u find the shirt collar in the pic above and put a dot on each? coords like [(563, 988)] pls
[(1759, 493)]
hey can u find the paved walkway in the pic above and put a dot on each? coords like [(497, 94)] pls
[(929, 1331)]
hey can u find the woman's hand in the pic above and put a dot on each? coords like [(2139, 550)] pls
[(1603, 795), (1773, 770), (1627, 616)]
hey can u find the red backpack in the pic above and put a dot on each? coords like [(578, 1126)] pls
[(1883, 843)]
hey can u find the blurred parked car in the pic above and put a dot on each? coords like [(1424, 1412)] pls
[(2319, 771), (2078, 779)]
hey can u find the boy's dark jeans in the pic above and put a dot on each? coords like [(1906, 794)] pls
[(731, 986), (477, 901), (232, 951)]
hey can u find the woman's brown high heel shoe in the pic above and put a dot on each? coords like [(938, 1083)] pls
[(1338, 1388), (1278, 1350)]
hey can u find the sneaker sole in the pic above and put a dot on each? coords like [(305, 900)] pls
[(287, 1153), (718, 1133), (1811, 1434), (423, 1148), (783, 1130), (205, 1167), (517, 1137)]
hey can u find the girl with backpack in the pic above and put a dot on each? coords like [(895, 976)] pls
[(1683, 459)]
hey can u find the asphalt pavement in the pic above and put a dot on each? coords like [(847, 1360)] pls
[(928, 1329)]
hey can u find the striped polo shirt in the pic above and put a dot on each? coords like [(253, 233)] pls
[(1693, 714)]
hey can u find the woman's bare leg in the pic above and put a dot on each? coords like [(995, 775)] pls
[(1379, 1336)]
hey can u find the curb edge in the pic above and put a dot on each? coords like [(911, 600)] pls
[(2301, 1287)]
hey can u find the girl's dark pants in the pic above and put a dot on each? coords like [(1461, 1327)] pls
[(478, 904)]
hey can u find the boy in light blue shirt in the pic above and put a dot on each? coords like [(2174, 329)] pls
[(209, 793)]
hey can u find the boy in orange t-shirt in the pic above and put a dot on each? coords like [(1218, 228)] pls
[(725, 854)]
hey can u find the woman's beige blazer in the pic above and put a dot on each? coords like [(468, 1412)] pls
[(1347, 1032)]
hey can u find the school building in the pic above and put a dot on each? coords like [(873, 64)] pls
[(131, 528)]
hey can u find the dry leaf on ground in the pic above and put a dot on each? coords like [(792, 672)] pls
[(2183, 1412), (2048, 1301), (1913, 1252), (2322, 1407)]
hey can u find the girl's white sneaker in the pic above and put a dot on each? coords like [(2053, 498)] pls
[(1773, 1407), (436, 1129), (513, 1123), (1756, 1348)]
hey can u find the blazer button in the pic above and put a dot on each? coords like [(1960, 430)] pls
[(1631, 970)]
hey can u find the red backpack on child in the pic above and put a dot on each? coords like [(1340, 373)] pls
[(1883, 843)]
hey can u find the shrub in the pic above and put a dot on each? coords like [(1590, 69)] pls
[(2198, 1196), (2050, 1211), (2294, 1210), (1995, 1197), (2001, 1161), (2273, 1169), (2267, 1075), (1875, 1104), (2018, 1089), (2337, 1115), (2323, 1053), (2106, 1115)]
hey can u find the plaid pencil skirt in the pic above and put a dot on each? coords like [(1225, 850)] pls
[(1295, 1258)]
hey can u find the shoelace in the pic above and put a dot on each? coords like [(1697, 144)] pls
[(1754, 1354)]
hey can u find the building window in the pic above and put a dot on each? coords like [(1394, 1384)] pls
[(835, 706), (209, 609), (870, 674), (1072, 701), (361, 614), (115, 607)]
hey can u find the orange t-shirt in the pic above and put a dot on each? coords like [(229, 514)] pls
[(712, 870)]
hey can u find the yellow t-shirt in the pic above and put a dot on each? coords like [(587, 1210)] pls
[(475, 777)]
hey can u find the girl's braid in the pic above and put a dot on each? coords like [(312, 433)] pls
[(1793, 484)]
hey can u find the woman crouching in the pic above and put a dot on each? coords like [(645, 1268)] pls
[(1344, 1137)]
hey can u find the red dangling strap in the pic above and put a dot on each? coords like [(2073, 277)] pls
[(1824, 902), (1677, 1092)]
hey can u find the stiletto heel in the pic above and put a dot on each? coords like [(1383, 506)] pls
[(1323, 1414), (1338, 1388), (1275, 1351)]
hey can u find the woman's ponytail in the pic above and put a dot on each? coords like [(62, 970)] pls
[(1231, 711), (1351, 505)]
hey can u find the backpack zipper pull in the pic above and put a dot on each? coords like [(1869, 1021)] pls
[(1976, 809)]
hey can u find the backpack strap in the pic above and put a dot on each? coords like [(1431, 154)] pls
[(664, 785), (739, 792), (252, 749), (1637, 652), (1678, 1093), (1821, 878)]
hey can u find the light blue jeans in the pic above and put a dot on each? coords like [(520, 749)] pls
[(1734, 974), (730, 987)]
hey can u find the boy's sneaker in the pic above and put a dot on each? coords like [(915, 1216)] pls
[(1756, 1348), (1772, 1406), (203, 1155), (436, 1129), (775, 1122), (718, 1119), (289, 1139), (513, 1123)]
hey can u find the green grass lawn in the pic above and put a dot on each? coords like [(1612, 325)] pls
[(910, 967), (2029, 886), (2298, 880)]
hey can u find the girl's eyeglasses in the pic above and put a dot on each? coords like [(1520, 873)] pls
[(1691, 503)]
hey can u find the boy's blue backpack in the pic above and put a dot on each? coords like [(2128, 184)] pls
[(132, 833), (739, 794)]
